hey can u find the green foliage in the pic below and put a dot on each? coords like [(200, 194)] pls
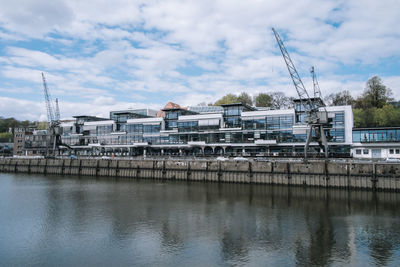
[(375, 95), (263, 100), (43, 125), (231, 99), (7, 123), (357, 117), (227, 99), (387, 116), (6, 135), (245, 99)]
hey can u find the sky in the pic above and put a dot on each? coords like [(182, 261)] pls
[(106, 55)]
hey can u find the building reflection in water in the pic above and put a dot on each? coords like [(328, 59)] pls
[(168, 223)]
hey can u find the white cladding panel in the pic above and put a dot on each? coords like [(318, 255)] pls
[(88, 123), (209, 122)]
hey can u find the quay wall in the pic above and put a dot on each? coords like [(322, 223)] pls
[(370, 176)]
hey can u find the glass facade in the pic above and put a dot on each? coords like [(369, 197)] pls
[(232, 115), (260, 130), (104, 129), (336, 132), (255, 124), (376, 135), (279, 122)]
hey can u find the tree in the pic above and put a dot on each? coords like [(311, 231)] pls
[(339, 99), (376, 94), (263, 100), (43, 125), (281, 101), (245, 99), (6, 135), (388, 116), (227, 99)]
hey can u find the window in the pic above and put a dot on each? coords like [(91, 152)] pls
[(391, 151), (233, 122), (232, 111), (151, 128), (397, 151), (366, 151), (338, 119), (358, 151)]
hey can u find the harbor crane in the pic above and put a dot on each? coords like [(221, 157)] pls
[(316, 118), (317, 91), (53, 117)]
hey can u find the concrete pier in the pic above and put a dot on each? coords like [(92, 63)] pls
[(370, 176)]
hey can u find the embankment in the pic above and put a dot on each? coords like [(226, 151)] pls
[(370, 176)]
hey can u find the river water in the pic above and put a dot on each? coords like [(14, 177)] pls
[(71, 221)]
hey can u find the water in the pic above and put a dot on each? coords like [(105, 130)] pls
[(72, 221)]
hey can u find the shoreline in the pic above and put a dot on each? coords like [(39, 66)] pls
[(315, 173)]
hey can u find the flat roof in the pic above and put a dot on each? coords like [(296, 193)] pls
[(239, 104), (378, 128), (87, 116), (186, 110)]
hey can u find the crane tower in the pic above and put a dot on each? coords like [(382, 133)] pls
[(316, 118), (53, 116)]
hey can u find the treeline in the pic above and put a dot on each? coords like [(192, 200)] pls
[(7, 126), (375, 107), (276, 100), (7, 123)]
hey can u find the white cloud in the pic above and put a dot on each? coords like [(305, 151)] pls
[(35, 110), (191, 51), (35, 18)]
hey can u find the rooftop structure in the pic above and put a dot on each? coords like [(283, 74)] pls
[(206, 109)]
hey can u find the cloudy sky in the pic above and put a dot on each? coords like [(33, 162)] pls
[(104, 55)]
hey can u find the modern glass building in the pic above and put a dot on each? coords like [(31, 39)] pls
[(234, 129), (376, 142)]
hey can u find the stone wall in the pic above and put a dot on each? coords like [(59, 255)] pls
[(371, 176)]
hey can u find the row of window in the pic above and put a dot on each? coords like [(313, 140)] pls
[(140, 128), (281, 136), (366, 151), (379, 135)]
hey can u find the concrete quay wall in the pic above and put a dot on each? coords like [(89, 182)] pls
[(370, 176)]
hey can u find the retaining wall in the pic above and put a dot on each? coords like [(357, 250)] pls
[(371, 176)]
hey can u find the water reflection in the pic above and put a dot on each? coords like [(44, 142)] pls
[(87, 221)]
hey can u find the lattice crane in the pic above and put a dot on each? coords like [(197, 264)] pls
[(53, 116), (316, 118), (57, 115), (317, 91)]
